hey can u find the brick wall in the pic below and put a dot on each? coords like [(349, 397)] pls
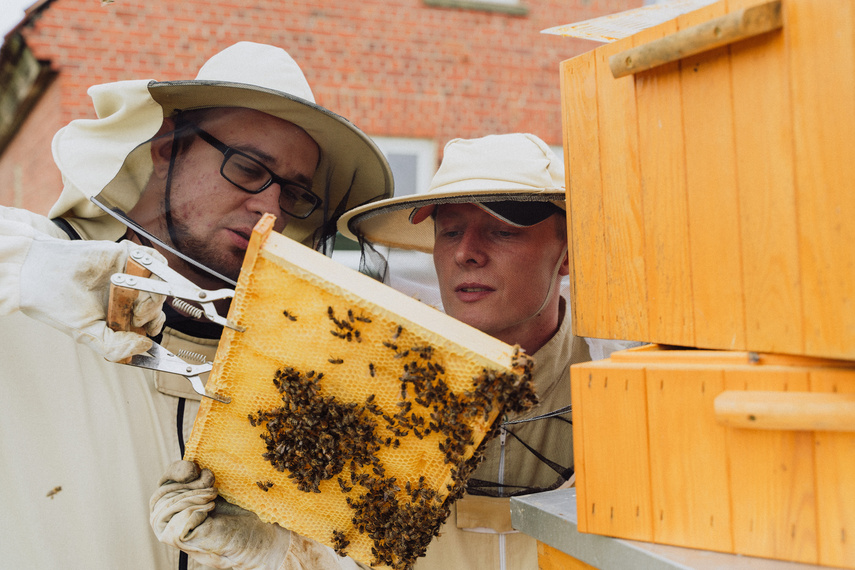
[(393, 67), (28, 178)]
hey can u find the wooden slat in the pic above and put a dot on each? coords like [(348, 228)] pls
[(835, 465), (549, 558), (713, 210), (822, 60), (685, 445), (663, 188), (578, 380), (615, 475), (622, 208), (767, 206), (772, 479), (584, 196)]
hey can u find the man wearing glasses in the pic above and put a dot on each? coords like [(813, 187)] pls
[(183, 169)]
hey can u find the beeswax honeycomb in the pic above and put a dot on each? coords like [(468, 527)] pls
[(355, 411)]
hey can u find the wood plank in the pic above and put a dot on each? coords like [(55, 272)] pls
[(663, 186), (835, 485), (549, 558), (765, 180), (773, 497), (615, 475), (578, 379), (589, 302), (713, 208), (685, 443), (622, 208), (822, 56)]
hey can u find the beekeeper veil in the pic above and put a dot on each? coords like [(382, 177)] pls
[(106, 162)]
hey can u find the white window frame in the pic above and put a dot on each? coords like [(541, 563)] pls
[(425, 151)]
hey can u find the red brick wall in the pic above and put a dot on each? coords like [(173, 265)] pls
[(28, 178), (393, 67)]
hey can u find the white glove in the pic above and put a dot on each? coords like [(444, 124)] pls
[(187, 513), (66, 284)]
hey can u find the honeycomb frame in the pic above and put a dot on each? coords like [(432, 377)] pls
[(343, 344)]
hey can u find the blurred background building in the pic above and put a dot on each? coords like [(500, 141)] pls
[(412, 74)]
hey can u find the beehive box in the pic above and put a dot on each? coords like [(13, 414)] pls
[(355, 411), (712, 197), (727, 451)]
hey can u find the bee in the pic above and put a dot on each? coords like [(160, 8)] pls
[(344, 486), (339, 542), (371, 368), (335, 360), (363, 319), (264, 486), (289, 315), (397, 332), (338, 334), (350, 315), (53, 492)]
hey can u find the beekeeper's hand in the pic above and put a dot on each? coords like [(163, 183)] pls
[(66, 284), (187, 513)]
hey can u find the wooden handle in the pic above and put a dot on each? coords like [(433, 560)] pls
[(801, 411), (721, 31), (120, 307)]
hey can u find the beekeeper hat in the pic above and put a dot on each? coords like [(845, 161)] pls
[(91, 153), (514, 177)]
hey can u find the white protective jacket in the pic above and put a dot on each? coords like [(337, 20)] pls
[(84, 441)]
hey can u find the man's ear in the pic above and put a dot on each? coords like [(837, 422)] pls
[(161, 148), (565, 265)]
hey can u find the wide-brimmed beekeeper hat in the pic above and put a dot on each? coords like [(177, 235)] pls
[(514, 177), (92, 153)]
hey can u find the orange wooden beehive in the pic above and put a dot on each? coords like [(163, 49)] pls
[(719, 450), (711, 169), (712, 197)]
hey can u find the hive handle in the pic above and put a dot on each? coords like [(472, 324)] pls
[(120, 306), (800, 411), (727, 29)]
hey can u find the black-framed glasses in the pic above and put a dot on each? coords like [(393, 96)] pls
[(251, 176)]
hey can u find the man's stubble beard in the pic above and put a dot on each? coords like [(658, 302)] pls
[(201, 251)]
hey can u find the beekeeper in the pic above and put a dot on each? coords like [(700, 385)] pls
[(494, 219), (183, 169)]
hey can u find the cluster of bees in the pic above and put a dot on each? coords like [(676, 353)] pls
[(345, 328), (315, 437)]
